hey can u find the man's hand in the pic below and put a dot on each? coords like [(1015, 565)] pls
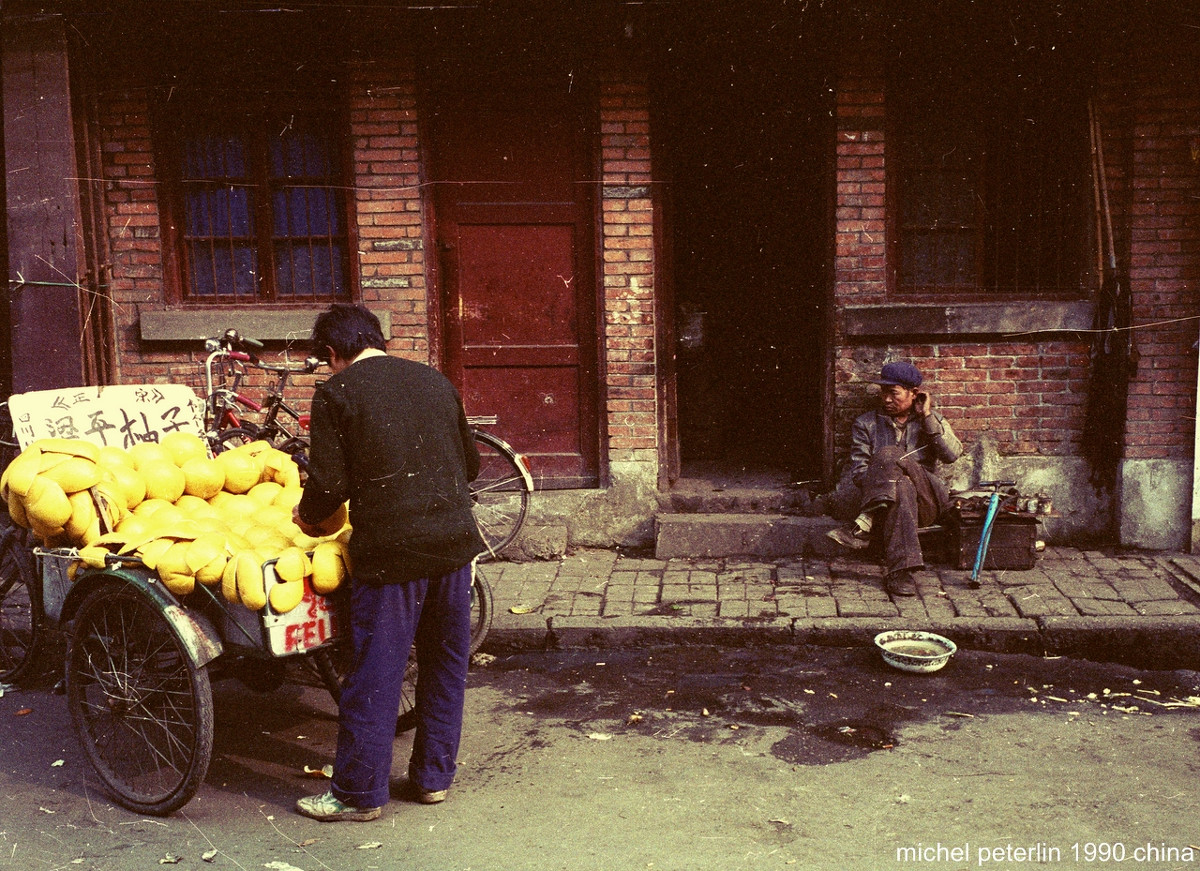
[(922, 403), (306, 528)]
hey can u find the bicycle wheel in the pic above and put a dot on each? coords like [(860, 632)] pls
[(235, 437), (142, 709), (20, 603), (499, 495), (333, 662)]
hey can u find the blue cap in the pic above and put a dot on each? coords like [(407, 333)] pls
[(899, 373)]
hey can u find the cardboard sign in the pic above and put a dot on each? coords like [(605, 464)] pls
[(121, 414), (310, 624)]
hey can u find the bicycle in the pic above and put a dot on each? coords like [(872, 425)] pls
[(226, 426), (21, 628)]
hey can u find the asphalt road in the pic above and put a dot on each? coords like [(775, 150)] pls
[(672, 758)]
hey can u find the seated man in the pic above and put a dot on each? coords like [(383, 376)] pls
[(893, 461)]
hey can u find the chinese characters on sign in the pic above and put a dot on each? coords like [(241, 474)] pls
[(120, 415)]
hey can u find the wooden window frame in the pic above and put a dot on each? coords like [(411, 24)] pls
[(254, 119), (1072, 237)]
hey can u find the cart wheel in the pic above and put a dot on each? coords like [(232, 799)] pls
[(20, 604), (142, 709)]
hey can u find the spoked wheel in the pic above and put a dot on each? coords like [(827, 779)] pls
[(20, 604), (142, 709), (334, 662), (500, 494), (235, 438)]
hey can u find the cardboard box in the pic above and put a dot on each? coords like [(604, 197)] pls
[(1013, 544)]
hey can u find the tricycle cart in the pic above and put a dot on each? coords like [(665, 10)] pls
[(140, 658)]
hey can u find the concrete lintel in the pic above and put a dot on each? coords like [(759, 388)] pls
[(268, 325), (993, 318)]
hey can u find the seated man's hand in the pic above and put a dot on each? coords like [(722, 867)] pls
[(923, 403)]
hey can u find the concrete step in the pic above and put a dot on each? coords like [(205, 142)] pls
[(765, 535)]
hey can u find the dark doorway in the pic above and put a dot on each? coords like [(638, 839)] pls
[(744, 115)]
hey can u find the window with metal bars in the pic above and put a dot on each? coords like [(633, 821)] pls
[(260, 208), (990, 188)]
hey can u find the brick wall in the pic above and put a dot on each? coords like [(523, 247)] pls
[(134, 262), (627, 244), (388, 204), (1164, 270), (1026, 394)]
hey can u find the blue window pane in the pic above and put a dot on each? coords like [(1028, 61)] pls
[(200, 273)]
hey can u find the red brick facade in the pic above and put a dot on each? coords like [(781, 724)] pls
[(627, 233)]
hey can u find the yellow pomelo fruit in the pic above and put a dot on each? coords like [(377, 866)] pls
[(265, 492), (203, 477), (150, 507), (289, 497), (292, 564), (174, 559), (220, 500), (49, 460), (183, 446), (274, 516), (74, 474), (167, 520), (250, 580), (46, 505), (229, 589), (164, 480), (130, 484), (112, 456), (286, 596), (19, 475), (211, 574), (16, 510), (193, 507), (328, 566), (83, 515), (150, 551), (239, 509), (242, 470), (180, 585), (148, 452), (74, 447), (204, 549), (133, 525), (255, 447), (94, 555)]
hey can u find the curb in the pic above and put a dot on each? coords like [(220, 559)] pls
[(1160, 643)]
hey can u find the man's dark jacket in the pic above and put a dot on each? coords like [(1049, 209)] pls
[(390, 436)]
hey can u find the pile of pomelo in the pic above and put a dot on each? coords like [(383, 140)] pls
[(190, 517)]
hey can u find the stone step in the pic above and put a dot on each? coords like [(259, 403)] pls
[(765, 535)]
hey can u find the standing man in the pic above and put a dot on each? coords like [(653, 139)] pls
[(894, 454), (390, 436)]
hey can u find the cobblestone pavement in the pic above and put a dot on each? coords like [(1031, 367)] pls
[(1071, 601)]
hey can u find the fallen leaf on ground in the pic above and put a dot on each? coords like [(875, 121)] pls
[(22, 712), (58, 763), (600, 736), (209, 856), (523, 609), (371, 845), (169, 859), (323, 771)]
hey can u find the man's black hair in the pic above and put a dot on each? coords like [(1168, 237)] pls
[(348, 329)]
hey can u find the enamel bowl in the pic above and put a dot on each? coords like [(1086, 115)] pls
[(909, 650)]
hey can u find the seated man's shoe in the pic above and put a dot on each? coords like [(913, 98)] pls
[(850, 536), (900, 583), (328, 808)]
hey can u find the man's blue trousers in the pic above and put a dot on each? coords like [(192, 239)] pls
[(386, 621)]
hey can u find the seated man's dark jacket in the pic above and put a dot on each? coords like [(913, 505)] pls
[(390, 436), (933, 437)]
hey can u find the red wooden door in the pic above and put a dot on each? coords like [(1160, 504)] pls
[(514, 231)]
